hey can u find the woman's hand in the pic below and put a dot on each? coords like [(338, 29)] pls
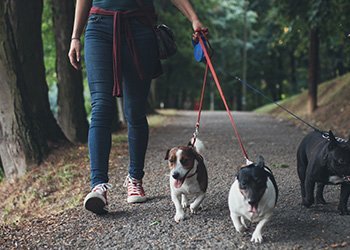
[(198, 29), (74, 53)]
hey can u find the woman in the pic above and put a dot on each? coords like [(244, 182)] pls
[(121, 58)]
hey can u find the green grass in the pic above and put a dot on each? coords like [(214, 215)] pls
[(119, 138)]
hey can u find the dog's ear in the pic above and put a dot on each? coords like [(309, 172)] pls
[(260, 161), (197, 156), (167, 155), (332, 140)]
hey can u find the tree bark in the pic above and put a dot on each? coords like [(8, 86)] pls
[(313, 70), (70, 100), (25, 19), (22, 140), (293, 78)]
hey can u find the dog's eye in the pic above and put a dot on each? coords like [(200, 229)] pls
[(172, 160), (184, 161), (243, 185)]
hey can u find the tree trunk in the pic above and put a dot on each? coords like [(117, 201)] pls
[(22, 140), (25, 18), (70, 100), (293, 78), (313, 70)]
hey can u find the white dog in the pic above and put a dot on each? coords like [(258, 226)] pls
[(253, 196)]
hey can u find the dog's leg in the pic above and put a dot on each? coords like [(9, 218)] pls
[(195, 205), (309, 192), (257, 236), (344, 197), (184, 201), (243, 222), (301, 167), (319, 193), (180, 214), (237, 223)]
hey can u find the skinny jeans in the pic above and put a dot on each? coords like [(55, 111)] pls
[(99, 66)]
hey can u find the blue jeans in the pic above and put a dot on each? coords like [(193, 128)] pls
[(99, 66)]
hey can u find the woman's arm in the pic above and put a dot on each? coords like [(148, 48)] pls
[(186, 8), (82, 9)]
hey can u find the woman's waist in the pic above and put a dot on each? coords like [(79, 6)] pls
[(122, 5)]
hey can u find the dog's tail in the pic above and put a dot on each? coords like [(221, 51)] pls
[(199, 146)]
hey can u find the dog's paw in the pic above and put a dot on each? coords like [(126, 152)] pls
[(307, 203), (343, 211), (179, 217), (256, 237), (240, 228), (320, 200), (194, 209), (184, 204)]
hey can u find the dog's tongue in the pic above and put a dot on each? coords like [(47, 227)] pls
[(178, 183), (253, 209)]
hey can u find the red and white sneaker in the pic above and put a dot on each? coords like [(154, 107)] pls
[(96, 200), (136, 194)]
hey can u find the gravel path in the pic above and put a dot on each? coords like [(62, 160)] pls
[(151, 225)]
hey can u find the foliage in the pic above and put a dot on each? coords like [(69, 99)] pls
[(277, 48), (50, 60), (49, 54)]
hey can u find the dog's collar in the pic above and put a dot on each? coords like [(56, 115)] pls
[(346, 178), (325, 135), (189, 176)]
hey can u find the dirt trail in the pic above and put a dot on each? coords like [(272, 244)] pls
[(151, 226)]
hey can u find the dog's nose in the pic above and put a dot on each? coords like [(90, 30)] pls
[(176, 175), (251, 202)]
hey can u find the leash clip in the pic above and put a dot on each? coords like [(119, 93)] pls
[(195, 134)]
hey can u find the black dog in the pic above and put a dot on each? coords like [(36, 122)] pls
[(324, 159)]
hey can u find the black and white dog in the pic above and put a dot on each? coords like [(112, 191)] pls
[(323, 159), (188, 176), (253, 196)]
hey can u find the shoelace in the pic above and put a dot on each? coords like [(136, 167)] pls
[(101, 188), (135, 185)]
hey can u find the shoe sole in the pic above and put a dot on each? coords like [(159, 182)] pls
[(95, 205), (136, 199)]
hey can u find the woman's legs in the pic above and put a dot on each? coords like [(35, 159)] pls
[(98, 57), (135, 92), (99, 66)]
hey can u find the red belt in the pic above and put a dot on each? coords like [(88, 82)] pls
[(121, 21)]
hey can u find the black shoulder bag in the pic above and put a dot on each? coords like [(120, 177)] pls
[(165, 36)]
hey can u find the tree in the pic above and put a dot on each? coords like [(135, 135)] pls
[(22, 144), (313, 69), (26, 121), (71, 110)]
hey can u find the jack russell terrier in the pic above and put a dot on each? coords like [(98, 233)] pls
[(253, 196), (188, 176)]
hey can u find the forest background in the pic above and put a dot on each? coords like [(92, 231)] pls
[(280, 47)]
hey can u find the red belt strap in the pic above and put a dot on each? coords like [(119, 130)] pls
[(121, 21)]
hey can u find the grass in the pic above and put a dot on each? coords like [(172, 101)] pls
[(332, 112), (54, 186), (158, 119)]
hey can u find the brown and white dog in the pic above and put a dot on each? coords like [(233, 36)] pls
[(188, 176)]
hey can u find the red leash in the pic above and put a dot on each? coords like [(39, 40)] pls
[(216, 80), (200, 107)]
